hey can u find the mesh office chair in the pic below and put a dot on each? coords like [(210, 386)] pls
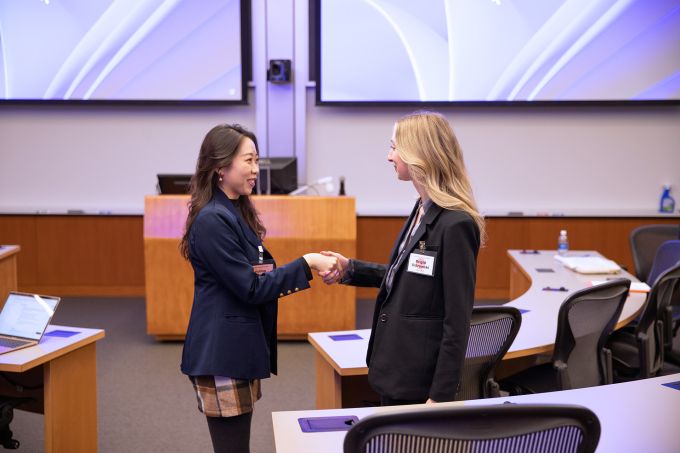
[(645, 241), (502, 427), (640, 354), (580, 359), (492, 331), (666, 257)]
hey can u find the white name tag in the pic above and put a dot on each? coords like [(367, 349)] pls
[(419, 263)]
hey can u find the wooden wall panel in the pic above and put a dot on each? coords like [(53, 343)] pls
[(609, 236), (21, 230), (77, 255), (375, 239), (100, 256)]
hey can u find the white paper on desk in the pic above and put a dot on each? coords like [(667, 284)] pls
[(589, 264), (635, 287)]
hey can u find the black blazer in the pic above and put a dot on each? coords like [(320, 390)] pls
[(232, 328), (421, 326)]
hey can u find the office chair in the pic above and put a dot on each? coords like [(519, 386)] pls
[(524, 428), (7, 406), (640, 354), (645, 241), (580, 359), (666, 256), (492, 331)]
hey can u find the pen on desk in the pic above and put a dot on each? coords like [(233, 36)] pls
[(515, 213), (561, 288)]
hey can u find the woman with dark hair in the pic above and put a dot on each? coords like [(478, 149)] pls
[(231, 339)]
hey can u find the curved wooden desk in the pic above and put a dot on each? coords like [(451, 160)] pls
[(341, 365)]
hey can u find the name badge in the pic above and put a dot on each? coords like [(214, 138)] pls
[(263, 267), (422, 262)]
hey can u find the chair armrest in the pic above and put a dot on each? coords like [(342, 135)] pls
[(492, 388), (563, 380), (667, 317), (641, 340), (608, 370)]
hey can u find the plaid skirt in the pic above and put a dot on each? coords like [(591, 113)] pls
[(220, 396)]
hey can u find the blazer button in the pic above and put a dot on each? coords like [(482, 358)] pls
[(281, 295), (297, 289), (288, 291), (383, 317)]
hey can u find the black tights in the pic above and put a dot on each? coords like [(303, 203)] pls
[(230, 434)]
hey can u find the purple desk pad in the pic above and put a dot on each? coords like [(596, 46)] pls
[(325, 424), (61, 333), (345, 337), (674, 385)]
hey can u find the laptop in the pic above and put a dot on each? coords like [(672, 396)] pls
[(24, 319)]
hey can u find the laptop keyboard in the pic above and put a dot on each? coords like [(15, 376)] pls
[(10, 343)]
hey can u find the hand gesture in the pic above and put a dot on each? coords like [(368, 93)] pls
[(323, 264), (337, 274)]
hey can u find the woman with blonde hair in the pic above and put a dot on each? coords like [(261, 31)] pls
[(422, 313)]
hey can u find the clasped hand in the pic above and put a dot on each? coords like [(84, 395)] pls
[(330, 266)]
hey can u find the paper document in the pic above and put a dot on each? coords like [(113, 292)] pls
[(589, 264), (635, 287)]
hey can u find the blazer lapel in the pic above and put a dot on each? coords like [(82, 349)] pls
[(247, 232), (404, 228), (429, 217)]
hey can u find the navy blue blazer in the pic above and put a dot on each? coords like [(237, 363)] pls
[(232, 328), (421, 325)]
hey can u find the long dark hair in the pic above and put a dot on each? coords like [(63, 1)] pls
[(218, 150)]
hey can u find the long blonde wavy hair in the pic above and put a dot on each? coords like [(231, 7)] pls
[(427, 144)]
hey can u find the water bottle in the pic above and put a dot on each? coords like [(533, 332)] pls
[(562, 243)]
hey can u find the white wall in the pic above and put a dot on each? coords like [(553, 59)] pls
[(99, 158), (590, 160)]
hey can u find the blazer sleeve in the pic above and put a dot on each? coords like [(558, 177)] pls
[(364, 273), (216, 244), (460, 245)]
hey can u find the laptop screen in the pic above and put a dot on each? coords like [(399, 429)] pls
[(26, 315)]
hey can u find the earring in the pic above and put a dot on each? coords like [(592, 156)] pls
[(220, 177)]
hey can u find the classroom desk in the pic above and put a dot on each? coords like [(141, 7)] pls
[(634, 416), (8, 270), (341, 365), (61, 374)]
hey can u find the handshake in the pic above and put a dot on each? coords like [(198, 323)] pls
[(330, 266)]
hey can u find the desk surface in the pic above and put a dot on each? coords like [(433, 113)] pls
[(539, 322), (8, 250), (49, 348), (635, 416)]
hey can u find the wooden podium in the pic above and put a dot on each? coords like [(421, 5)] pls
[(295, 226)]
